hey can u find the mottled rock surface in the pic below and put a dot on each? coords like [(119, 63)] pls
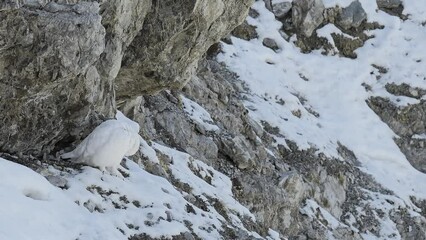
[(174, 37), (245, 31), (352, 16), (307, 15), (64, 62), (393, 7), (280, 9), (51, 90)]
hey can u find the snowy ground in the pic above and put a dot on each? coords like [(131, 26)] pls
[(318, 101), (90, 204)]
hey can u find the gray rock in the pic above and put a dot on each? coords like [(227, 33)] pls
[(415, 151), (346, 45), (253, 13), (389, 3), (281, 9), (68, 75), (57, 181), (270, 43), (172, 42), (268, 4), (163, 117), (245, 31), (85, 7), (238, 150), (62, 60), (284, 35), (392, 7), (331, 14), (403, 89), (262, 182), (32, 4), (123, 21), (307, 15), (48, 64), (352, 16), (54, 7)]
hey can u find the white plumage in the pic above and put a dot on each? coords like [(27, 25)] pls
[(108, 144)]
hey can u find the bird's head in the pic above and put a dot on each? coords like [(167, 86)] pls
[(131, 126)]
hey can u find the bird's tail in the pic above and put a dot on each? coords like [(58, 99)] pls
[(72, 157)]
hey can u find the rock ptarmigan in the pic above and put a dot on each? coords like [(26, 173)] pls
[(107, 144)]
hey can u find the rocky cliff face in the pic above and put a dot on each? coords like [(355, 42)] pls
[(50, 83), (64, 61), (165, 53), (212, 152)]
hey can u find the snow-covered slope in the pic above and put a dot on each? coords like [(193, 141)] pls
[(90, 204), (318, 101)]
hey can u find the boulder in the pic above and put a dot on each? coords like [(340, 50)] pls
[(51, 91), (174, 37), (307, 15), (281, 8), (389, 4), (352, 16), (245, 31), (392, 7), (270, 43)]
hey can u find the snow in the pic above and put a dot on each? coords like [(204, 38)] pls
[(314, 211), (148, 151), (416, 11), (331, 86), (312, 208), (220, 187), (198, 114), (386, 203), (29, 202), (94, 205), (273, 235), (419, 136)]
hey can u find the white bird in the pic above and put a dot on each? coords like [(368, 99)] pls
[(109, 142)]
